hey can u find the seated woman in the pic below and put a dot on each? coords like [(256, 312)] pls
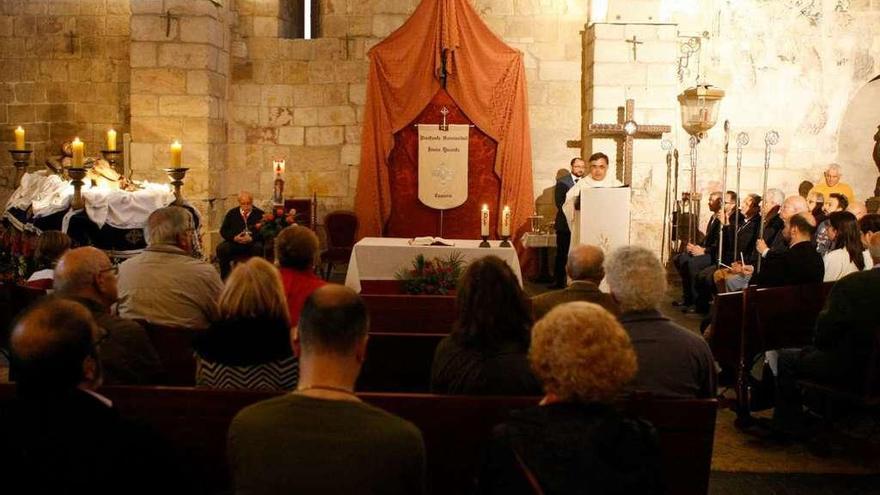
[(848, 254), (249, 346), (50, 246), (486, 352), (575, 441)]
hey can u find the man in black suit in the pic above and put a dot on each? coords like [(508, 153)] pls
[(60, 435), (698, 256), (563, 233), (842, 344), (797, 265), (239, 233)]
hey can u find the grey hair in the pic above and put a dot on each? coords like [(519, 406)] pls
[(636, 278), (165, 225), (775, 197), (75, 271), (835, 167), (246, 194)]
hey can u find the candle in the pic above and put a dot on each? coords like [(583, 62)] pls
[(505, 222), (484, 221), (19, 138), (111, 140), (78, 148), (176, 151)]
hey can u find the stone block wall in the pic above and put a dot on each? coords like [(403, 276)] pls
[(54, 92)]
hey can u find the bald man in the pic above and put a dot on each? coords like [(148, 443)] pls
[(239, 233), (584, 266), (85, 275), (60, 435)]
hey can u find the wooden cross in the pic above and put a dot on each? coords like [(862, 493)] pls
[(168, 17), (635, 43), (71, 46), (624, 132)]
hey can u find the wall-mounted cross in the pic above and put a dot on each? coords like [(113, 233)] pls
[(623, 132), (71, 43), (635, 43), (168, 16)]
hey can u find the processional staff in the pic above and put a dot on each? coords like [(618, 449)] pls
[(722, 220), (667, 146), (742, 139), (770, 139)]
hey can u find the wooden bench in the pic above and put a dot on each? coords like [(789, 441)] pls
[(455, 429), (748, 323), (174, 345), (398, 362)]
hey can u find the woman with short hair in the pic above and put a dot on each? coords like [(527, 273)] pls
[(485, 354), (575, 441), (848, 254), (248, 347)]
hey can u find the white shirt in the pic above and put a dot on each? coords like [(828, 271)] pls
[(838, 264), (585, 182)]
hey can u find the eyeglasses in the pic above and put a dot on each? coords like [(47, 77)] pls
[(113, 269)]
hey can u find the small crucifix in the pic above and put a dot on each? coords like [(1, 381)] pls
[(168, 17), (444, 126), (635, 43), (71, 44)]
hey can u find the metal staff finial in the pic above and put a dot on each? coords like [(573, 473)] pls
[(742, 139), (770, 140), (723, 220)]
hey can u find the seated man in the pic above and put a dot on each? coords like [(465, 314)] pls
[(585, 269), (239, 233), (296, 251), (831, 184), (673, 361), (61, 436), (165, 285), (698, 256), (86, 276), (835, 202), (322, 438), (799, 264), (842, 344)]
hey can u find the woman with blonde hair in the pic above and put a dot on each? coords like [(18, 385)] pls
[(575, 441), (249, 345)]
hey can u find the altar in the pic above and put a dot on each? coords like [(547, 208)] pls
[(379, 258)]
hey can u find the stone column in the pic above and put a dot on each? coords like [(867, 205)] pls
[(613, 73), (179, 80)]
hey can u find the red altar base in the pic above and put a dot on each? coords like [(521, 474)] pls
[(393, 312)]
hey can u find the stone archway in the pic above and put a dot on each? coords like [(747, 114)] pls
[(856, 141)]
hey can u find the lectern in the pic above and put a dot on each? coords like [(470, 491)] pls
[(603, 219)]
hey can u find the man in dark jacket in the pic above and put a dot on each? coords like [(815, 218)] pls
[(799, 264), (239, 233), (697, 257), (842, 344), (60, 435), (563, 233), (585, 269)]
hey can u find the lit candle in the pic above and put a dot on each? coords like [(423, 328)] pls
[(505, 222), (484, 221), (111, 140), (176, 151), (78, 148), (19, 138)]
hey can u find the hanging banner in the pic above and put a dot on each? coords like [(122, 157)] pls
[(443, 165)]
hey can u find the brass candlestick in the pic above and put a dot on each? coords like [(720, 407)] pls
[(77, 174), (20, 160), (485, 242), (176, 175), (505, 241), (112, 157)]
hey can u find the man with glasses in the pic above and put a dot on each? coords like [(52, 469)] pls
[(85, 275), (60, 435), (832, 184)]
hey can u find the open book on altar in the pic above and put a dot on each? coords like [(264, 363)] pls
[(430, 241), (603, 219)]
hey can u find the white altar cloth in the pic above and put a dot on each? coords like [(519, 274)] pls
[(379, 258)]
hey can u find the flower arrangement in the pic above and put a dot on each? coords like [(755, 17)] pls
[(434, 276), (274, 221)]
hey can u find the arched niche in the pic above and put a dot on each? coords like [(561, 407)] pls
[(855, 140)]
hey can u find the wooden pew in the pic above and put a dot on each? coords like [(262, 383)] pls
[(174, 345), (455, 429), (398, 313), (398, 362)]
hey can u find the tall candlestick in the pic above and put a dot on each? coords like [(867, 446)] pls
[(484, 221), (111, 140), (505, 222), (176, 151), (78, 148), (19, 138)]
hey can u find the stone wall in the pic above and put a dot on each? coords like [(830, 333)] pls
[(54, 92)]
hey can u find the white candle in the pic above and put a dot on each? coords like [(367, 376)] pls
[(111, 140), (176, 151), (19, 138), (78, 148), (505, 222), (484, 221)]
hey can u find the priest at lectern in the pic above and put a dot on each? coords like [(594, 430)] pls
[(597, 177)]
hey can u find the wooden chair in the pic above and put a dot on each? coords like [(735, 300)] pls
[(341, 227), (174, 346), (305, 211), (455, 428)]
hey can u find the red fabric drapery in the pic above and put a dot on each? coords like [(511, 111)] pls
[(486, 78)]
